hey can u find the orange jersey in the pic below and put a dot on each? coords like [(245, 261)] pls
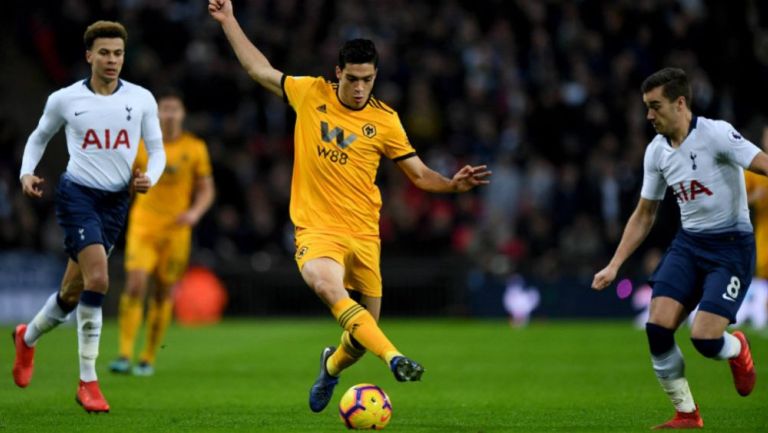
[(186, 161), (755, 182), (337, 154)]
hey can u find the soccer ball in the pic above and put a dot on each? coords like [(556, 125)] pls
[(365, 407)]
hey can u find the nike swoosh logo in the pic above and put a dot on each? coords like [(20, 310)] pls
[(77, 113), (727, 298)]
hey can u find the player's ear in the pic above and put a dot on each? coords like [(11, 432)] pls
[(681, 103), (88, 56), (338, 73)]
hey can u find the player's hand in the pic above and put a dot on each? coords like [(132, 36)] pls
[(140, 183), (469, 177), (30, 184), (220, 10), (188, 218), (604, 278)]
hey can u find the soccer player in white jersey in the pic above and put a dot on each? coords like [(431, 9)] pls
[(104, 118), (710, 262)]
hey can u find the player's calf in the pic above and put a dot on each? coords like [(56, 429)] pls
[(734, 348)]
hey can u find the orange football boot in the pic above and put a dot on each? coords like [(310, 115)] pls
[(742, 367), (89, 396), (683, 420), (25, 357)]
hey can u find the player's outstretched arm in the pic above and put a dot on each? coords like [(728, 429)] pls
[(759, 164), (637, 229), (254, 62), (429, 180)]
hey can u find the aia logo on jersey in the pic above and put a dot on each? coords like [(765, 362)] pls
[(104, 142), (694, 189)]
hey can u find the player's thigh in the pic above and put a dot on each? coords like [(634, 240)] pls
[(320, 258), (71, 283), (676, 278), (326, 278), (364, 267), (172, 261), (667, 312), (93, 264), (724, 291), (141, 249)]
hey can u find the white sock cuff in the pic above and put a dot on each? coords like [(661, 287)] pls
[(669, 365), (731, 347)]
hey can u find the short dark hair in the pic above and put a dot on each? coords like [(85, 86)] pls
[(358, 51), (104, 29), (674, 81), (169, 92)]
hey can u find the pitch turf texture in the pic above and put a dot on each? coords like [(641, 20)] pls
[(482, 376)]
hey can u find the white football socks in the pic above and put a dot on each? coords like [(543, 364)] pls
[(49, 317), (670, 370), (88, 335), (731, 347)]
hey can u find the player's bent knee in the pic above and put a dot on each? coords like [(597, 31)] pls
[(327, 291), (708, 347), (660, 339), (98, 282), (135, 289)]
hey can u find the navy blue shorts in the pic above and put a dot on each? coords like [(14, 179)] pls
[(89, 216), (712, 271)]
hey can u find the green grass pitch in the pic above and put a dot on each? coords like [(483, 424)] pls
[(482, 376)]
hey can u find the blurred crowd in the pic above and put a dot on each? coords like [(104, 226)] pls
[(544, 92)]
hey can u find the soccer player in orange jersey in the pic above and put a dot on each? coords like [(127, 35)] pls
[(159, 235), (757, 193), (341, 133)]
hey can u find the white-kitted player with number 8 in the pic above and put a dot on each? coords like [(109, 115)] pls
[(712, 259)]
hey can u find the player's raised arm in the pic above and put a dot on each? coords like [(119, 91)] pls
[(254, 62), (429, 180), (637, 229)]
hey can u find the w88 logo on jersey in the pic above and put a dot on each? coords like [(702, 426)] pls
[(335, 156)]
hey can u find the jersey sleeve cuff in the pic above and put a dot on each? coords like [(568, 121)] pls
[(282, 87), (403, 157)]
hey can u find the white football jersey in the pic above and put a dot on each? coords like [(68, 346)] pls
[(103, 133), (705, 174)]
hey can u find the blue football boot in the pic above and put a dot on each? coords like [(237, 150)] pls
[(322, 390), (406, 369)]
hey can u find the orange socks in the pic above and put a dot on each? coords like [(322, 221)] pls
[(131, 312), (159, 316), (361, 325), (348, 353)]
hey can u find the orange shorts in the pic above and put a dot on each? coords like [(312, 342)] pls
[(163, 255), (360, 256)]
